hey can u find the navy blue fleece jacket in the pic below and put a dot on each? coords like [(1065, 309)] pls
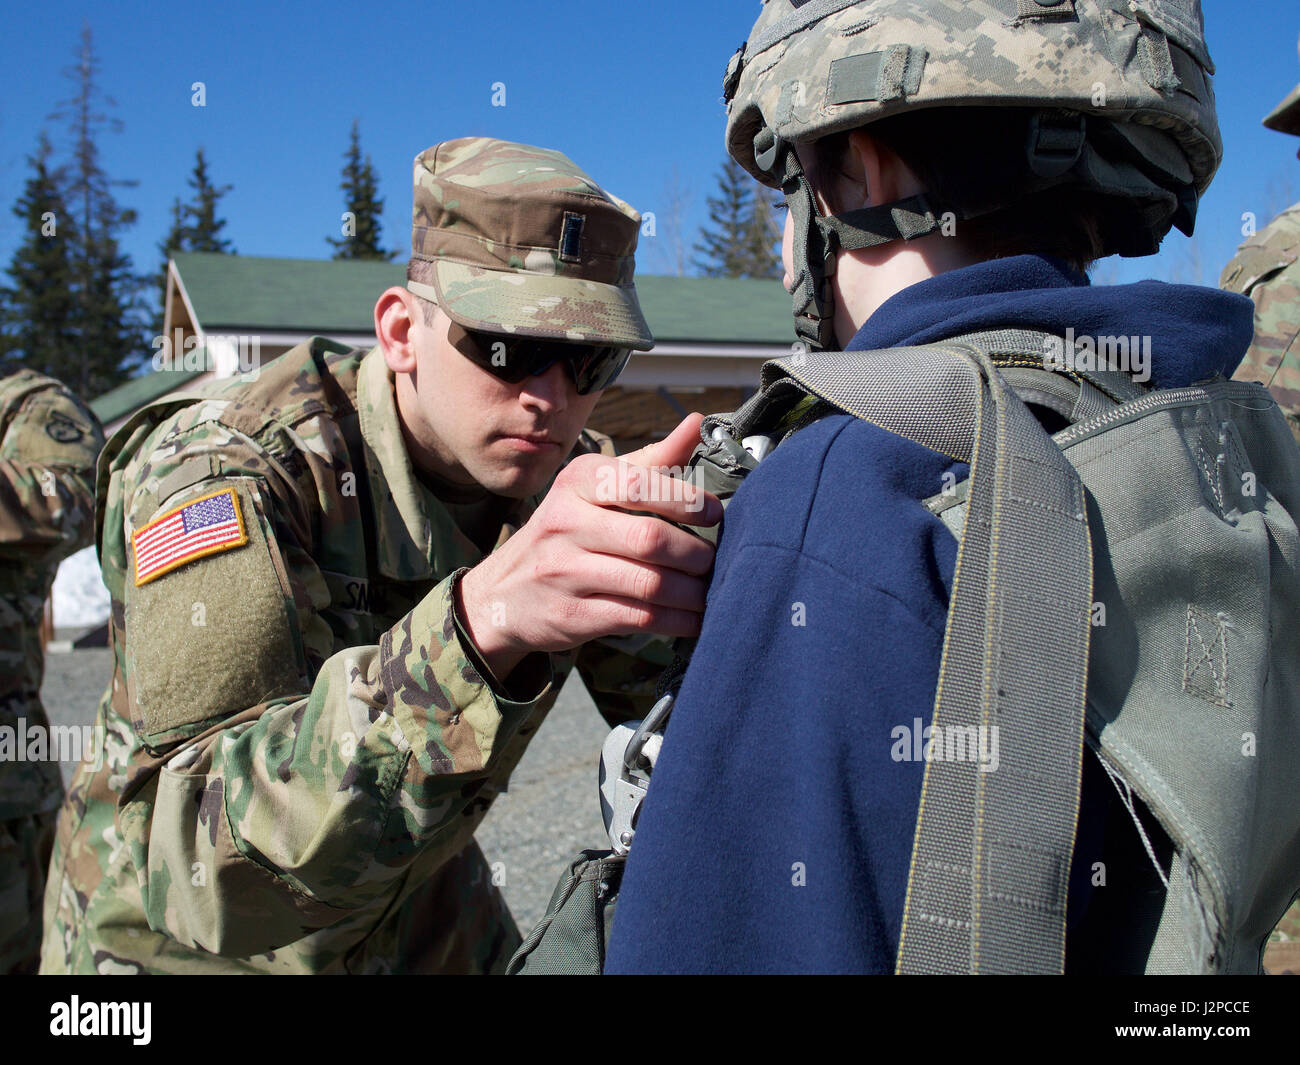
[(777, 833)]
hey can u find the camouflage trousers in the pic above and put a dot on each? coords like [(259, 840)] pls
[(25, 845)]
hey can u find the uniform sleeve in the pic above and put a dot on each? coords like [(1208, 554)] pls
[(1274, 355), (47, 478), (266, 797)]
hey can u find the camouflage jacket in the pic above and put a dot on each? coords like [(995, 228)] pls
[(49, 441), (1267, 269), (297, 744)]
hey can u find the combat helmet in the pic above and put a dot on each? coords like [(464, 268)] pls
[(1120, 88)]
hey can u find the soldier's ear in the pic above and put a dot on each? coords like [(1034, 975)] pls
[(397, 319)]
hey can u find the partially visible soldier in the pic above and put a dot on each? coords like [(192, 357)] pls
[(341, 607), (1267, 269), (49, 441)]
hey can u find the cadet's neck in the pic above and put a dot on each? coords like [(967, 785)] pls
[(867, 278)]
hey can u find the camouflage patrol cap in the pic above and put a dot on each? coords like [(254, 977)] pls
[(1285, 117), (523, 242), (815, 67)]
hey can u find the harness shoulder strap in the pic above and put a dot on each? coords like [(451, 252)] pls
[(987, 885)]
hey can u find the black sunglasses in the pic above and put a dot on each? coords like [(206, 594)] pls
[(591, 367)]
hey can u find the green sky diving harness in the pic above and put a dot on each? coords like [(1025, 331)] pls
[(951, 399), (1130, 583)]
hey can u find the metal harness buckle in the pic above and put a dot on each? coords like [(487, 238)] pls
[(626, 762)]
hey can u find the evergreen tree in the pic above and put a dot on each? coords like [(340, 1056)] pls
[(741, 238), (722, 249), (364, 209), (107, 312), (38, 305), (194, 226), (206, 227), (763, 235)]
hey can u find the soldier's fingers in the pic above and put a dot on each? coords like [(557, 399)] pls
[(674, 450), (615, 483), (626, 617), (651, 585), (644, 539)]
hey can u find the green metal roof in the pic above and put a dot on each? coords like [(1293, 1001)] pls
[(330, 296), (325, 296), (137, 392)]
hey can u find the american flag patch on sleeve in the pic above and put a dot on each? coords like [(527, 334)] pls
[(200, 527)]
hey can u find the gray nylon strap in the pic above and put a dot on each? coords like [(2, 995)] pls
[(1091, 403), (907, 391), (810, 293), (987, 885), (1043, 388), (1033, 344)]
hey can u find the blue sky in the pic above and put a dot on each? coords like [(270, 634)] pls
[(630, 90)]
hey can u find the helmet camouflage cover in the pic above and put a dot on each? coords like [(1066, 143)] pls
[(815, 67)]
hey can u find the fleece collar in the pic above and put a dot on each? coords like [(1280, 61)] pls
[(1196, 332)]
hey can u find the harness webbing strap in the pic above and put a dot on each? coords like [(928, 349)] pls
[(990, 870)]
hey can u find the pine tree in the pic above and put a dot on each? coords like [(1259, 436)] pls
[(194, 226), (107, 315), (763, 236), (364, 209), (722, 249), (743, 231), (206, 227), (38, 305)]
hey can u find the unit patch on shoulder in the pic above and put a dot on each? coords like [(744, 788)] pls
[(198, 528)]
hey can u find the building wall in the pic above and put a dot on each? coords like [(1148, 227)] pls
[(635, 417)]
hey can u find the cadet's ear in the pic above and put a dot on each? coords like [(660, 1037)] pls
[(397, 316), (882, 171)]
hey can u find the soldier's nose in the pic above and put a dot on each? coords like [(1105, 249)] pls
[(548, 391)]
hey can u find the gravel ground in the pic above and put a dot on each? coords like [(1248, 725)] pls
[(551, 812), (74, 681)]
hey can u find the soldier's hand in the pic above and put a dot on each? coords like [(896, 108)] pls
[(583, 566)]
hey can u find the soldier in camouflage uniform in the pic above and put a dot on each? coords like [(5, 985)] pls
[(320, 681), (48, 445), (1266, 268)]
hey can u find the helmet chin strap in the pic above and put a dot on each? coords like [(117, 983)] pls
[(818, 238), (814, 245)]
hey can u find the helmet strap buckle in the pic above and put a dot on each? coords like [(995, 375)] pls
[(1056, 140)]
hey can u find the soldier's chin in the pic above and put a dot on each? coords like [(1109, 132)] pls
[(521, 481)]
